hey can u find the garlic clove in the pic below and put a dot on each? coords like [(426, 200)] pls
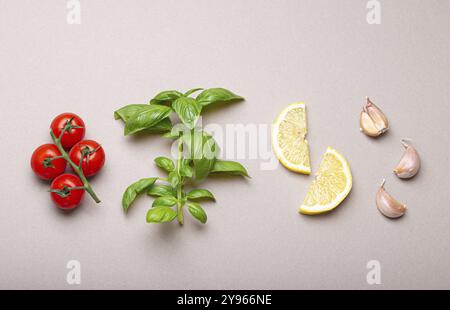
[(367, 125), (387, 205), (409, 164), (372, 121), (377, 115)]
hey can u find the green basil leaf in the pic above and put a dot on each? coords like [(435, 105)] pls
[(163, 126), (214, 95), (166, 97), (174, 179), (146, 118), (203, 151), (191, 91), (185, 169), (161, 190), (161, 215), (200, 194), (229, 167), (128, 111), (165, 201), (187, 110), (134, 190), (165, 163), (204, 161), (197, 212)]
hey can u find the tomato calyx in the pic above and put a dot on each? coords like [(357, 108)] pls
[(86, 152), (73, 126), (69, 126), (65, 191), (48, 162)]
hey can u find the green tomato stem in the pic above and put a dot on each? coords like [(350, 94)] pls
[(76, 168), (55, 158)]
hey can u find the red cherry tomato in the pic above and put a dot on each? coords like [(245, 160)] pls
[(62, 193), (93, 156), (43, 165), (74, 134)]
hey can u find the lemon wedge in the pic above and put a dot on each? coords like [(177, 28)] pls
[(332, 184), (288, 138)]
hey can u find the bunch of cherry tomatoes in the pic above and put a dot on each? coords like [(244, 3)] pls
[(85, 157)]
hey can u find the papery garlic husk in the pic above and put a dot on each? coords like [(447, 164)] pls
[(387, 205), (372, 120), (409, 164)]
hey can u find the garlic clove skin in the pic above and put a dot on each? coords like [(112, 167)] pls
[(387, 205), (409, 164), (372, 120)]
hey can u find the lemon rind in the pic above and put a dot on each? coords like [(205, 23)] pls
[(278, 153), (318, 208)]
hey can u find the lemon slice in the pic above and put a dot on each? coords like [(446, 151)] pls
[(331, 185), (288, 138)]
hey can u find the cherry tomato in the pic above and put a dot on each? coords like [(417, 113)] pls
[(62, 195), (93, 156), (74, 134), (43, 165)]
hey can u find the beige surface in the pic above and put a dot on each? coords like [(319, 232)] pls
[(273, 53)]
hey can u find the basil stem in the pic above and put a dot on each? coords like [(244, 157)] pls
[(180, 184)]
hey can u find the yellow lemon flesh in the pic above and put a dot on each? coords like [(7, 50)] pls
[(331, 185), (288, 138)]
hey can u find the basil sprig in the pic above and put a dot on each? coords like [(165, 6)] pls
[(197, 156)]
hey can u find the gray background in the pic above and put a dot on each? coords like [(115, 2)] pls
[(273, 53)]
